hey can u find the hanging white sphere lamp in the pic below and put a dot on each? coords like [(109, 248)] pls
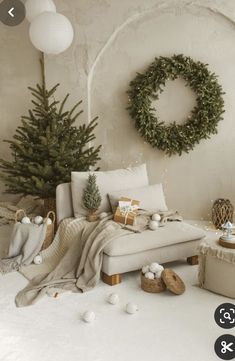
[(37, 7), (51, 33)]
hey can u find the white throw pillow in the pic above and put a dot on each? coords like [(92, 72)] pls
[(151, 197), (107, 182)]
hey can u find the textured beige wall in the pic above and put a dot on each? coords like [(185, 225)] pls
[(19, 68), (115, 39)]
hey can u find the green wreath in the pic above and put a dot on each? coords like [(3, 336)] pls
[(200, 124)]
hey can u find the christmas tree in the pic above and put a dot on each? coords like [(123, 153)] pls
[(47, 146), (91, 196)]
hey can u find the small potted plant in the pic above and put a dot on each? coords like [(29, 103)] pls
[(91, 198)]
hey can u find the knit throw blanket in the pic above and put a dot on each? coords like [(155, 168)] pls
[(74, 260)]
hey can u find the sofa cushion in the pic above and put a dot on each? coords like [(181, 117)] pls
[(171, 233), (107, 182), (151, 197)]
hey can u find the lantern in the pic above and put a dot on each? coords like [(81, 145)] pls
[(51, 33), (37, 7)]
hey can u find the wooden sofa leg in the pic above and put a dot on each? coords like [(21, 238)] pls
[(192, 260), (111, 280)]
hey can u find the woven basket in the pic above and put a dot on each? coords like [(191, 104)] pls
[(153, 286), (50, 233), (222, 212), (50, 227)]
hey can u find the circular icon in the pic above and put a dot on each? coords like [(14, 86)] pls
[(12, 12), (225, 315), (225, 347)]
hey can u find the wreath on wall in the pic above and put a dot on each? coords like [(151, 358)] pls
[(203, 119)]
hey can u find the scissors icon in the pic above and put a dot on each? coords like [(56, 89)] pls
[(226, 347)]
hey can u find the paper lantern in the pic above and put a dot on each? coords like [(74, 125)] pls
[(37, 7), (52, 33)]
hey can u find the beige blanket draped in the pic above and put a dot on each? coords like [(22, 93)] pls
[(74, 260), (26, 242)]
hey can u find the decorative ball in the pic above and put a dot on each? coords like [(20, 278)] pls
[(38, 259), (131, 308), (103, 215), (158, 274), (149, 275), (36, 7), (38, 220), (88, 316), (51, 33), (156, 217), (145, 269), (49, 221), (113, 298), (153, 225), (25, 220), (154, 267)]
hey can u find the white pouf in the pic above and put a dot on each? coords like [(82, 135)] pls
[(217, 268)]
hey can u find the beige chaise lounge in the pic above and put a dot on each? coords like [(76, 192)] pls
[(129, 253)]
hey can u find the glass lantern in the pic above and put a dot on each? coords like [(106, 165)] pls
[(227, 232)]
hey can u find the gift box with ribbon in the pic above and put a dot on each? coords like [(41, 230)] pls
[(126, 211)]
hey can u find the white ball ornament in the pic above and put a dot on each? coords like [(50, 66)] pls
[(36, 7), (51, 33), (113, 298), (49, 221), (149, 275), (38, 220), (145, 269), (37, 260), (156, 217), (103, 215), (88, 316), (153, 225), (158, 274), (25, 220), (131, 308), (154, 267)]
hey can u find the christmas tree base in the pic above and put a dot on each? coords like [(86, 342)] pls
[(92, 217), (49, 205)]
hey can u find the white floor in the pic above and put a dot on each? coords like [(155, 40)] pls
[(166, 328)]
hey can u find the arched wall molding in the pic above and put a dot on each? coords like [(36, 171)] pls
[(161, 8)]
